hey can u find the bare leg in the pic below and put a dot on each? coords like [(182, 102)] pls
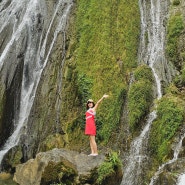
[(93, 145)]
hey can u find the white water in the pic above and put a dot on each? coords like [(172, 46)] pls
[(34, 61), (181, 180), (136, 156), (175, 157), (152, 54)]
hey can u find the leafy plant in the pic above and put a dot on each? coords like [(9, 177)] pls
[(179, 80), (176, 2), (170, 117), (100, 39), (175, 27), (140, 95), (108, 167), (84, 86)]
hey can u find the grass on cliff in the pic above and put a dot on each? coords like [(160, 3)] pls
[(140, 95), (170, 117), (175, 28), (110, 166), (170, 109), (106, 31)]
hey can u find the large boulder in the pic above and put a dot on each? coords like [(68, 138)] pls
[(63, 166)]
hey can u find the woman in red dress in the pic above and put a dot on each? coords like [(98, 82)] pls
[(90, 126)]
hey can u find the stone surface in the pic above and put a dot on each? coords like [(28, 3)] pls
[(59, 165)]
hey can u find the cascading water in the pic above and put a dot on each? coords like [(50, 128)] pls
[(26, 16), (175, 157), (134, 161), (181, 180), (151, 52)]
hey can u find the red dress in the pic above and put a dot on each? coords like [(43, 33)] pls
[(90, 126)]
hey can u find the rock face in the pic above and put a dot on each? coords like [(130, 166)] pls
[(170, 173), (32, 51), (61, 166)]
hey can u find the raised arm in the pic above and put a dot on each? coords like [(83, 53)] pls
[(98, 102)]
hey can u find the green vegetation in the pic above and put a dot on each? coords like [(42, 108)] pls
[(179, 80), (140, 95), (176, 2), (58, 173), (105, 31), (84, 84), (175, 27), (108, 167), (170, 108), (170, 117), (175, 51)]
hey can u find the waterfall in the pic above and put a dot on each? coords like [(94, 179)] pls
[(134, 161), (151, 52), (175, 157), (181, 180), (26, 16)]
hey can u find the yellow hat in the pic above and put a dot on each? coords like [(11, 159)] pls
[(90, 100)]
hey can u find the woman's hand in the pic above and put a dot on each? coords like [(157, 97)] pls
[(105, 96), (96, 105)]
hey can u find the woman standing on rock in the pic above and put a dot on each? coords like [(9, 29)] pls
[(90, 126)]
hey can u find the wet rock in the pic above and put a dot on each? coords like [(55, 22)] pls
[(61, 165), (170, 173)]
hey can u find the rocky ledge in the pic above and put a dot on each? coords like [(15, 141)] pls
[(64, 167)]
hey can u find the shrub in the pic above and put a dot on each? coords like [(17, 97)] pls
[(175, 27), (84, 86), (176, 2), (108, 167), (100, 39), (140, 95), (179, 80), (170, 116)]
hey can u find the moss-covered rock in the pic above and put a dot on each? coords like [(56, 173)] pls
[(69, 167), (140, 96)]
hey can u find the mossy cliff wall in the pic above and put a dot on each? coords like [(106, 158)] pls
[(169, 125), (103, 50), (101, 44)]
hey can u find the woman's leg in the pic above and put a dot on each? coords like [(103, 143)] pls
[(93, 145)]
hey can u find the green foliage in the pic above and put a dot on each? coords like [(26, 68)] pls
[(58, 173), (172, 89), (170, 116), (105, 170), (110, 119), (108, 167), (176, 2), (179, 80), (84, 86), (104, 33), (103, 38), (140, 95), (143, 72), (175, 27)]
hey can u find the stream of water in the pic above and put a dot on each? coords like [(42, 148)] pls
[(151, 52), (181, 180), (175, 157), (37, 52)]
